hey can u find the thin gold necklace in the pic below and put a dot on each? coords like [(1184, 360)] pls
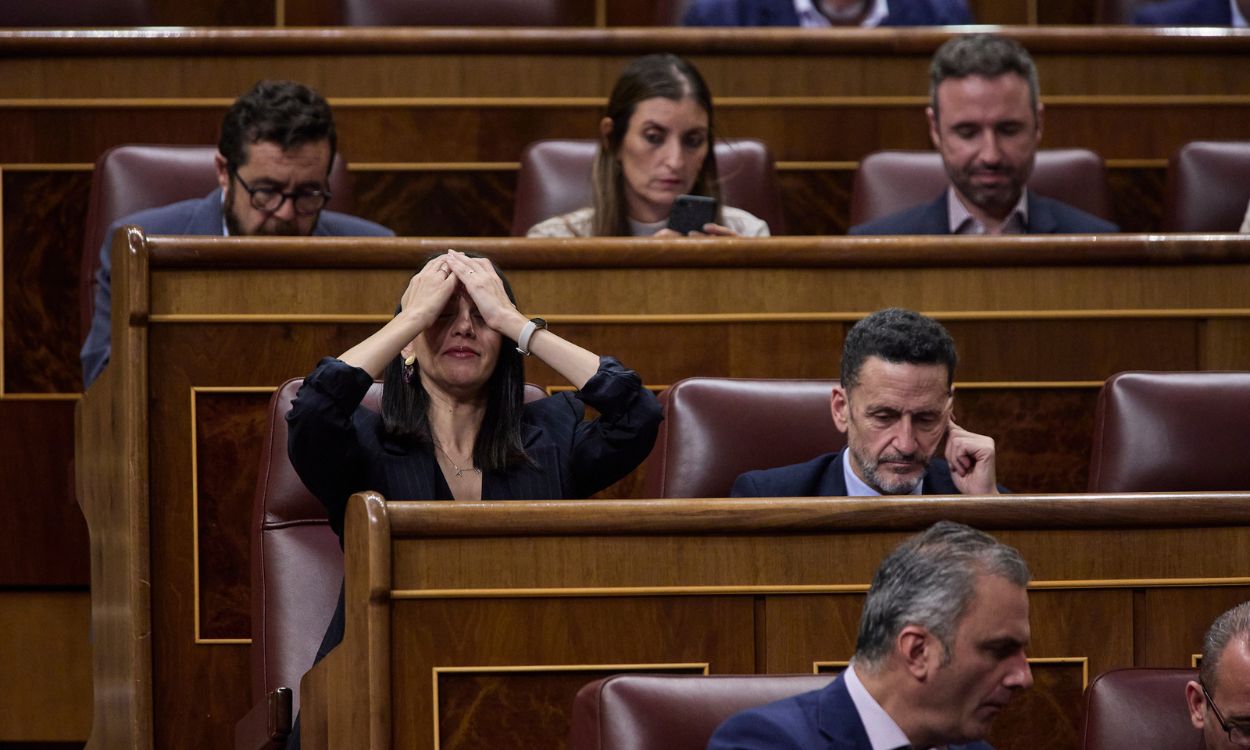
[(459, 471)]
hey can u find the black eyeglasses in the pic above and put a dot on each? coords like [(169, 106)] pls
[(1238, 734), (306, 202)]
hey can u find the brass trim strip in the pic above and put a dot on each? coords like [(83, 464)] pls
[(816, 665), (1195, 660), (279, 13), (577, 592), (703, 318), (39, 396), (601, 14), (1082, 660), (436, 166), (512, 166), (198, 639), (558, 102)]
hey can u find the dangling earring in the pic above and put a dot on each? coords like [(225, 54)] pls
[(409, 372)]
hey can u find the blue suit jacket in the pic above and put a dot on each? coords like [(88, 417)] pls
[(1185, 13), (781, 13), (1046, 216), (822, 477), (824, 718), (199, 216)]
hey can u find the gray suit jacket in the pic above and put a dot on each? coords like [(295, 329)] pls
[(199, 216)]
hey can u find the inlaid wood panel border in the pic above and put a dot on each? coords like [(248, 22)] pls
[(703, 668), (195, 512), (782, 590), (818, 667)]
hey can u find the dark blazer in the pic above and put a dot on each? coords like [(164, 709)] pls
[(822, 477), (1046, 216), (824, 718), (198, 216), (781, 13), (1185, 13)]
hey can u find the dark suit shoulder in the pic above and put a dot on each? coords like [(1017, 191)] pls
[(1051, 216), (927, 218), (927, 13), (821, 476), (175, 218), (790, 723), (740, 13), (1184, 13), (335, 224)]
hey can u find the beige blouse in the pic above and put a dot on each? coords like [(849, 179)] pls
[(579, 223)]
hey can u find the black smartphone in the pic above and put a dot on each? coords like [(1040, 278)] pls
[(691, 212)]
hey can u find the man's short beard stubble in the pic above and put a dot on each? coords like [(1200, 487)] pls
[(883, 482), (281, 229)]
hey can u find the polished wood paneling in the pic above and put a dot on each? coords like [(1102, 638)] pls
[(43, 540), (760, 308), (45, 666), (229, 430), (534, 710), (1178, 639), (551, 583), (513, 709), (436, 203), (43, 215)]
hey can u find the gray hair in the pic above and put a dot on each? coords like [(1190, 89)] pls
[(1235, 623), (985, 55), (929, 580)]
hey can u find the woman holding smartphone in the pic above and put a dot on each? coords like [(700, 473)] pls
[(655, 144)]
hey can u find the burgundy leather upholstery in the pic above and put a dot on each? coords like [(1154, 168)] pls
[(461, 12), (297, 564), (43, 13), (1208, 187), (890, 181), (716, 428), (672, 712), (555, 179), (1171, 432), (130, 178), (1142, 709)]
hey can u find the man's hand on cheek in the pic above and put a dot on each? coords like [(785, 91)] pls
[(971, 458)]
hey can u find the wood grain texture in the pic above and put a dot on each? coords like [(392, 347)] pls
[(43, 541), (229, 430), (43, 216), (592, 577), (45, 667)]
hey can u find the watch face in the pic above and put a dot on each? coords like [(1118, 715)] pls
[(539, 323)]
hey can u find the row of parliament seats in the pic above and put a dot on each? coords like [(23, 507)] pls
[(513, 13), (1141, 708), (1208, 185), (1154, 432)]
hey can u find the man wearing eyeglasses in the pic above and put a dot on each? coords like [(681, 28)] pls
[(1219, 701), (273, 166)]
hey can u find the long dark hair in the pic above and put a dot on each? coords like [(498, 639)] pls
[(405, 406), (647, 77)]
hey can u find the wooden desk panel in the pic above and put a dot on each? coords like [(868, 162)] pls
[(541, 588), (215, 324)]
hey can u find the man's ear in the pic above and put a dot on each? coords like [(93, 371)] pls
[(839, 405), (223, 170), (1197, 704), (919, 651), (934, 135)]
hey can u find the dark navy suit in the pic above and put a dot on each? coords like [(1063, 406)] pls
[(823, 477), (781, 13), (824, 718), (199, 216), (1185, 13), (1046, 216)]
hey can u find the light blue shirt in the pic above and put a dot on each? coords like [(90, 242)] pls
[(811, 18), (883, 732)]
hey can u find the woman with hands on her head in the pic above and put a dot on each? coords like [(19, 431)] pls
[(655, 144), (453, 422)]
